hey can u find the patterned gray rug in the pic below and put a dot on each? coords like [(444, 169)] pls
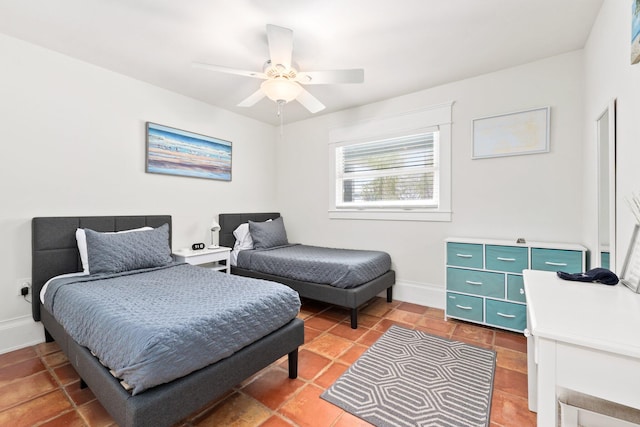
[(410, 378)]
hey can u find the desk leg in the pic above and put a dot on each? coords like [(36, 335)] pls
[(532, 371), (547, 396)]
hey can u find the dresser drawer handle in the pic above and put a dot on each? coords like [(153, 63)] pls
[(506, 259), (464, 307), (464, 255), (556, 264), (521, 291), (471, 282), (508, 316)]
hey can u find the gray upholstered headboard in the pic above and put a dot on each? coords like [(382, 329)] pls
[(54, 249), (229, 222)]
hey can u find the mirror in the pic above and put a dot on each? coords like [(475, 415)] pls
[(606, 134)]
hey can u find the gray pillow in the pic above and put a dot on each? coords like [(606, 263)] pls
[(114, 253), (268, 234)]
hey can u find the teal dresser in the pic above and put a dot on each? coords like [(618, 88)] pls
[(484, 277)]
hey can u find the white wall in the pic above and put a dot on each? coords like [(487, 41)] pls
[(538, 197), (73, 144), (609, 74), (66, 124)]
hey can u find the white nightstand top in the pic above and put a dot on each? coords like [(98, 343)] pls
[(186, 252), (215, 258)]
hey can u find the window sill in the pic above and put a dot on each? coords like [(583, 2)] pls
[(391, 215)]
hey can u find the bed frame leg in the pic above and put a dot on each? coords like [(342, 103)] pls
[(83, 385), (48, 337), (354, 318), (389, 294), (293, 364)]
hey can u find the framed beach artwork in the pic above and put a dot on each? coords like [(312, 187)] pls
[(173, 151), (511, 134), (635, 31)]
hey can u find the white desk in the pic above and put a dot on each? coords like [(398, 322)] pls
[(585, 337)]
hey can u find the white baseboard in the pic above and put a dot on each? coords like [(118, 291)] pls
[(418, 293), (19, 333)]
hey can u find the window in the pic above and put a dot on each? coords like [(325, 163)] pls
[(395, 168), (401, 172)]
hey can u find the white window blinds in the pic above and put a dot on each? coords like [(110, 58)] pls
[(394, 172)]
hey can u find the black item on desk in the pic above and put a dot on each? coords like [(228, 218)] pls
[(597, 275)]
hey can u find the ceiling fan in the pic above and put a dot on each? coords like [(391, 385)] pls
[(282, 80)]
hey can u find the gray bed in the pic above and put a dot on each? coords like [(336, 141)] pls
[(351, 298), (54, 252)]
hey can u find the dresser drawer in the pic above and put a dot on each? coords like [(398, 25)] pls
[(506, 314), (464, 306), (475, 282), (515, 288), (604, 259), (464, 255), (556, 260), (507, 258)]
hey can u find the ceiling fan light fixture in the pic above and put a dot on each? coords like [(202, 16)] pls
[(281, 89), (282, 81)]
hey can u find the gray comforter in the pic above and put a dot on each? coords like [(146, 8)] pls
[(342, 268), (155, 325)]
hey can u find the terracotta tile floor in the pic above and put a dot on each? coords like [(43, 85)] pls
[(38, 386)]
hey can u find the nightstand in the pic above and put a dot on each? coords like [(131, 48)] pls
[(210, 258)]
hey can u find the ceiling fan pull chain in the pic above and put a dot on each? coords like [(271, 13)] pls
[(280, 104)]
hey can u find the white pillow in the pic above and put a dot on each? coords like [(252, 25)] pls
[(243, 237), (81, 238)]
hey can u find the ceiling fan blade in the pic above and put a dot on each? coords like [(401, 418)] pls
[(221, 69), (309, 102), (280, 45), (355, 75), (252, 99)]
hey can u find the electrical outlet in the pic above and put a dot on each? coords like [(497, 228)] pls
[(24, 283)]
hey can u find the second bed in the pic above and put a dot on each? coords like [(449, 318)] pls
[(347, 278)]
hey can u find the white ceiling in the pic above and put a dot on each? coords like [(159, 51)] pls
[(403, 45)]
